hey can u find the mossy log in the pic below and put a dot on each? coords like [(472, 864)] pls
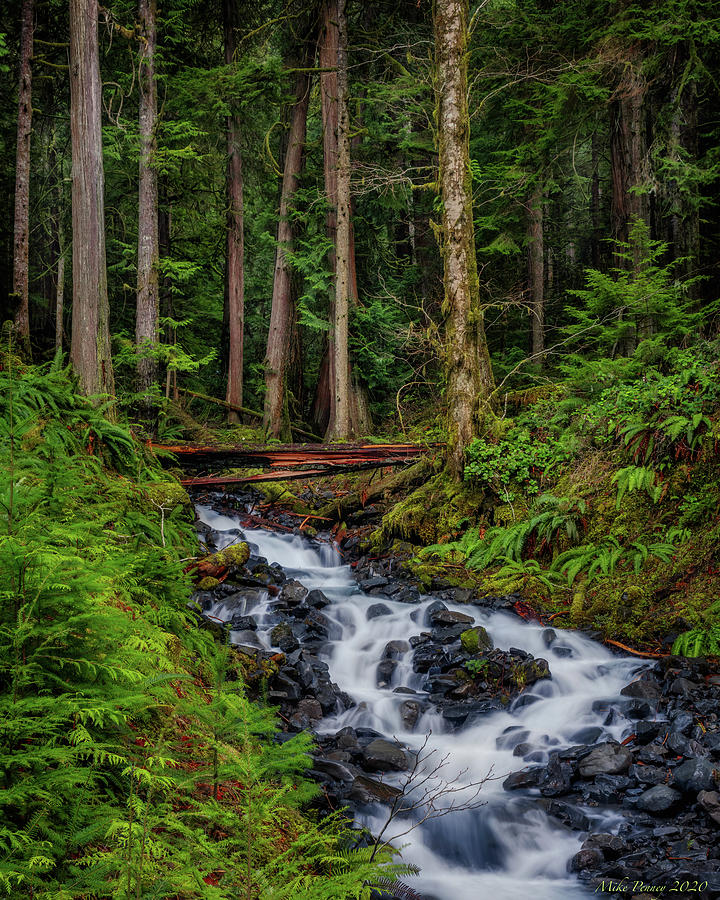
[(407, 478)]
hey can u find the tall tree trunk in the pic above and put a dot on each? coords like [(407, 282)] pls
[(469, 377), (90, 348), (21, 239), (60, 293), (146, 322), (235, 265), (628, 156), (595, 202), (341, 387), (536, 272), (275, 420)]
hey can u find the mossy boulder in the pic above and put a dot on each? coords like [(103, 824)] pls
[(434, 513), (207, 583), (236, 555), (167, 494), (475, 640)]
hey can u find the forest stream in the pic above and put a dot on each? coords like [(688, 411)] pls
[(508, 846)]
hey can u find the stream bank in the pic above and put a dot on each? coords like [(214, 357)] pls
[(594, 766)]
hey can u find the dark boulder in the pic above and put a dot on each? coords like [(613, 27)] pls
[(658, 799), (695, 775), (378, 609), (383, 756), (605, 759)]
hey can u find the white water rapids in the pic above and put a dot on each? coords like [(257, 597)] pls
[(508, 848)]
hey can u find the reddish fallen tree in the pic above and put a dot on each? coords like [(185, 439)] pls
[(294, 461)]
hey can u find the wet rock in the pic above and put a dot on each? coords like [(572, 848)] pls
[(383, 756), (336, 771), (449, 617), (658, 799), (549, 636), (646, 731), (346, 739), (447, 634), (435, 607), (377, 610), (527, 778), (588, 858), (682, 722), (648, 774), (316, 599), (243, 623), (395, 649), (281, 636), (586, 735), (368, 790), (569, 815), (384, 672), (556, 780), (293, 592), (642, 689), (695, 775), (710, 802), (475, 640), (511, 737), (410, 713), (368, 584), (326, 696), (610, 845), (530, 671), (321, 625), (681, 687), (606, 759), (284, 688), (311, 708)]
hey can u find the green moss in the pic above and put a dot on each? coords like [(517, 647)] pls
[(207, 583), (167, 494), (475, 639), (434, 513), (234, 555)]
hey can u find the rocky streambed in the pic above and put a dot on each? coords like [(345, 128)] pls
[(505, 756)]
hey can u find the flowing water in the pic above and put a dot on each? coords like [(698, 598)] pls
[(507, 848)]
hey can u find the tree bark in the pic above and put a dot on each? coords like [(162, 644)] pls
[(21, 238), (60, 286), (628, 157), (275, 419), (90, 348), (146, 323), (341, 429), (468, 372), (536, 272), (235, 266)]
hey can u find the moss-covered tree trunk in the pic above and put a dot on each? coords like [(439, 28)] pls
[(340, 428), (536, 271), (21, 238), (468, 372), (146, 322), (235, 263), (275, 419), (90, 347)]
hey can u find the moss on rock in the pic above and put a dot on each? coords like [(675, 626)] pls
[(167, 494)]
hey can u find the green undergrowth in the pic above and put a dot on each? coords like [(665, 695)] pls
[(132, 763), (599, 500)]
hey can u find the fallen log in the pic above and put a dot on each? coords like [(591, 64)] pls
[(209, 458), (285, 475)]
